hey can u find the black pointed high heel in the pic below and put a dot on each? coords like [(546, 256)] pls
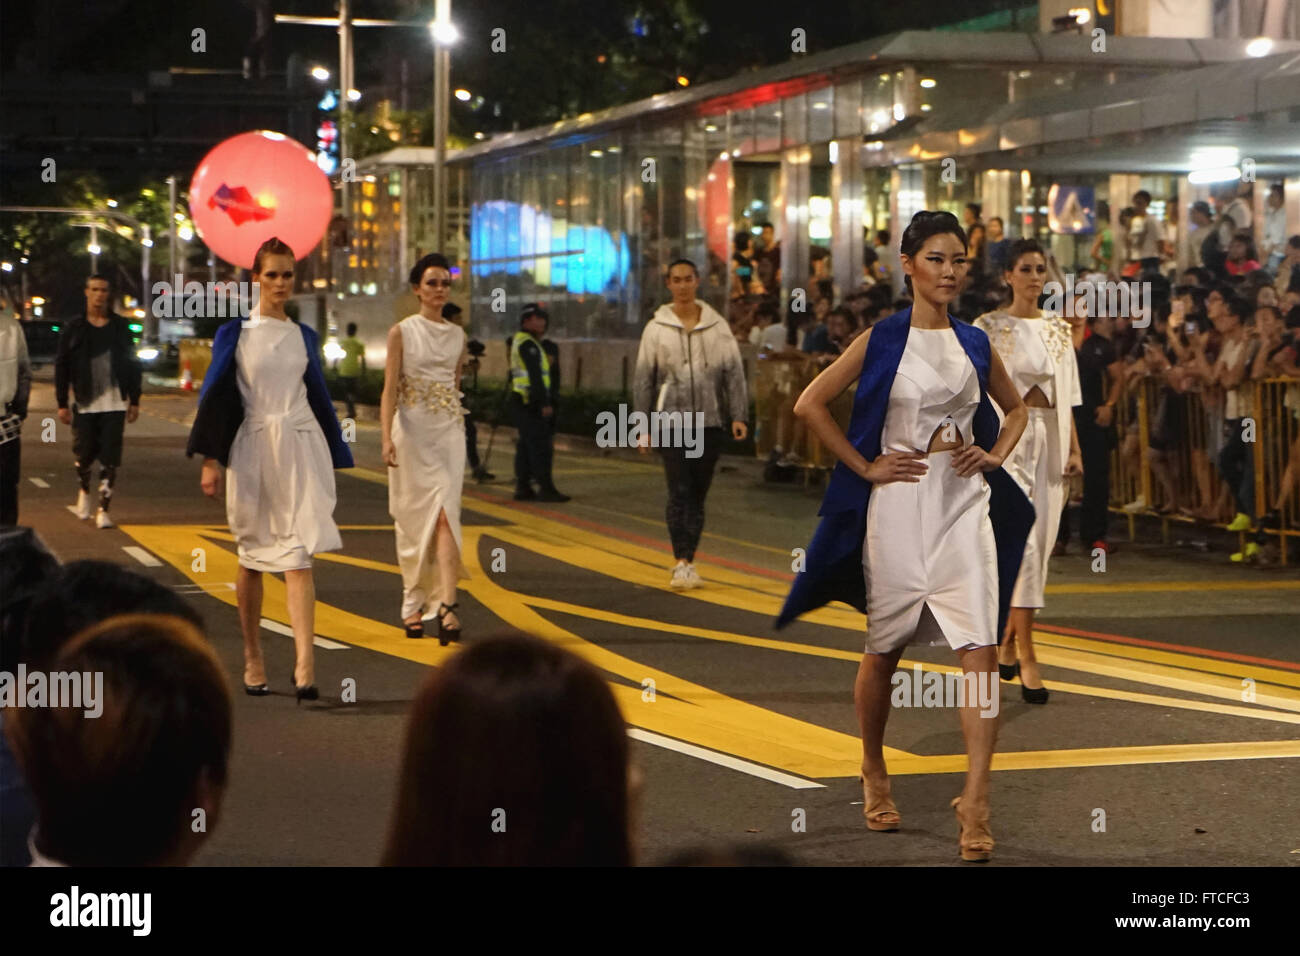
[(257, 690), (447, 634), (309, 692)]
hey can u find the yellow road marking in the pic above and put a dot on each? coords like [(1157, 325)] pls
[(812, 650), (1156, 587), (640, 565), (686, 710), (175, 544), (1212, 665)]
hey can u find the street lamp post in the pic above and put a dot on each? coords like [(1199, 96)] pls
[(345, 87), (444, 34), (150, 322), (171, 242)]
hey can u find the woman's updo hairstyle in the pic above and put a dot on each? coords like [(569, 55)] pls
[(275, 246), (1023, 247), (434, 260), (924, 225)]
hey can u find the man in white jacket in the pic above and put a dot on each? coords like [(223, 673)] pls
[(15, 386), (689, 363)]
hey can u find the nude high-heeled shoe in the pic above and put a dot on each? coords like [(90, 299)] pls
[(880, 812), (975, 842)]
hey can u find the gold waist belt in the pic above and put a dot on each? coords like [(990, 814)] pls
[(426, 393)]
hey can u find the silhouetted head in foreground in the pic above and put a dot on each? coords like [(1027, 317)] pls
[(516, 755)]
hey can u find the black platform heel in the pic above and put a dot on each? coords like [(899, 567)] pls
[(1009, 671), (415, 631), (1033, 695), (257, 690), (447, 634)]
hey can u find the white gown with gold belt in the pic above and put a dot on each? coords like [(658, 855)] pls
[(429, 439), (1038, 352), (280, 484)]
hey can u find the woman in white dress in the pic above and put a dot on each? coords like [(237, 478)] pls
[(424, 448), (265, 413), (1038, 352), (912, 527)]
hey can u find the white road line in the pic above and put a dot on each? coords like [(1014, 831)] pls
[(724, 760), (204, 588), (38, 482), (143, 556), (319, 641), (73, 509)]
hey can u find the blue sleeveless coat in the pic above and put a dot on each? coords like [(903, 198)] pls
[(221, 410), (833, 565)]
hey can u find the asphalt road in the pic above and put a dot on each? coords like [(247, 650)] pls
[(1146, 755)]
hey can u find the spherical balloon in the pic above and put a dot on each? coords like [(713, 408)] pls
[(257, 185)]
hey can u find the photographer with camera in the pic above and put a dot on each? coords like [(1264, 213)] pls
[(453, 313)]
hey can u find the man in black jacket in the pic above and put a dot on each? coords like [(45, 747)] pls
[(534, 390), (96, 357)]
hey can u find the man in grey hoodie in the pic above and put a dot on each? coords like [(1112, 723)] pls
[(689, 368)]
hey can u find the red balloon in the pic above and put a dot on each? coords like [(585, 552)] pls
[(257, 185)]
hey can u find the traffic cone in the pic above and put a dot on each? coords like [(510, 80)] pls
[(187, 376)]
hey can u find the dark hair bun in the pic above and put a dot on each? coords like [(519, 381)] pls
[(926, 224)]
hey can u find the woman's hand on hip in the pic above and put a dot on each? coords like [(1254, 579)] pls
[(974, 460), (210, 479), (896, 466)]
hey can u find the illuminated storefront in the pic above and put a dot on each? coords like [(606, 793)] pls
[(586, 215)]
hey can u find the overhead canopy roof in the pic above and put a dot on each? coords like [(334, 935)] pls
[(1149, 125), (912, 47)]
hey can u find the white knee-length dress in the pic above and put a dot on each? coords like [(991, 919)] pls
[(1038, 352), (929, 544), (429, 439), (280, 484)]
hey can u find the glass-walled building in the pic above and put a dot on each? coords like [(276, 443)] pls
[(586, 215)]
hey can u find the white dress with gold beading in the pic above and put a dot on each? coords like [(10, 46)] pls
[(429, 439)]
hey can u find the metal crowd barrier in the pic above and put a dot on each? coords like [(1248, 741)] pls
[(779, 379), (1193, 461)]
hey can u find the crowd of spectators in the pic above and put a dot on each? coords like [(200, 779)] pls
[(1200, 336)]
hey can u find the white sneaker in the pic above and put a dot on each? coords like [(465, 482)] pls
[(692, 577), (681, 577), (102, 520), (1136, 505), (83, 505)]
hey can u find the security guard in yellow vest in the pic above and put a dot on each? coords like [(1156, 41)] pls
[(534, 387)]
